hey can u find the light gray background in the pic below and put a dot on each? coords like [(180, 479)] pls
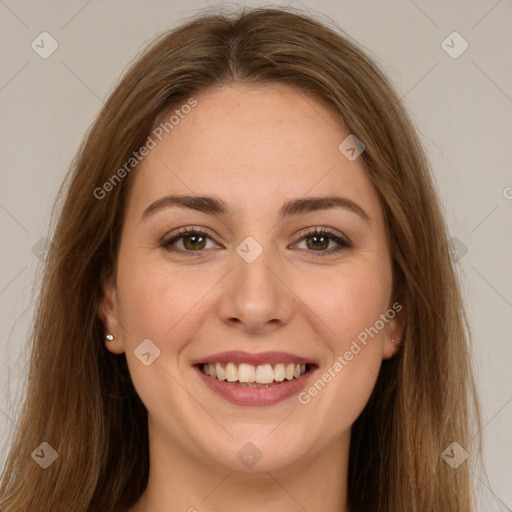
[(462, 108)]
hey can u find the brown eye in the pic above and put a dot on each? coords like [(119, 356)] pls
[(318, 241), (191, 240), (194, 241)]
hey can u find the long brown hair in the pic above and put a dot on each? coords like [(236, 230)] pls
[(79, 396)]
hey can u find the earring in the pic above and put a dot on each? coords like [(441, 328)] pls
[(109, 337), (397, 343)]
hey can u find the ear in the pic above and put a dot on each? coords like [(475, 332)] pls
[(394, 330), (108, 312)]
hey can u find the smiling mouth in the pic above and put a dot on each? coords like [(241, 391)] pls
[(252, 376)]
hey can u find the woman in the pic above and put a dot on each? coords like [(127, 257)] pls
[(249, 303)]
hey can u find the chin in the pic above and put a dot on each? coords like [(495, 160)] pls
[(253, 451)]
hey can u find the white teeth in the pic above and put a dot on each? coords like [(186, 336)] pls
[(248, 374), (279, 372), (264, 374), (231, 373), (221, 373)]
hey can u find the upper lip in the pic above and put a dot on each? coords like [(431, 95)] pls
[(239, 356)]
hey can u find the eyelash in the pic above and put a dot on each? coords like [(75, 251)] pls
[(319, 232)]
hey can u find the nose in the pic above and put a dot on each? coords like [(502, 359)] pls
[(256, 297)]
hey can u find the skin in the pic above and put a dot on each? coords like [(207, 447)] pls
[(254, 147)]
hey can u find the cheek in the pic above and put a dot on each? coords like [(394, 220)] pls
[(166, 305), (161, 304), (347, 303), (349, 306), (156, 298)]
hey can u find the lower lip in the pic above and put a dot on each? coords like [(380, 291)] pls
[(256, 396)]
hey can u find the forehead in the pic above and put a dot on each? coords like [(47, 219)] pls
[(252, 145)]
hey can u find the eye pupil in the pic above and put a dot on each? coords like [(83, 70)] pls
[(194, 239), (320, 241)]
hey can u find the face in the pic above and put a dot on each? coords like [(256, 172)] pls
[(262, 281)]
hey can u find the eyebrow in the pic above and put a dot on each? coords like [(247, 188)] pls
[(215, 206)]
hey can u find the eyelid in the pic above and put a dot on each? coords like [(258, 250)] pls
[(325, 231), (334, 235), (180, 233)]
